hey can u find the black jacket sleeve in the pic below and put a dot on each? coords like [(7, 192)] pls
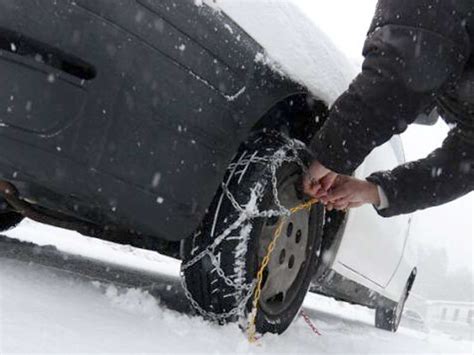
[(415, 49), (443, 176)]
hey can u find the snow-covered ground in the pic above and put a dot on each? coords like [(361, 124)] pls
[(47, 310)]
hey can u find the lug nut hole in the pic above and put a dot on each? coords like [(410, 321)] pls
[(282, 256), (291, 262), (289, 230), (299, 235)]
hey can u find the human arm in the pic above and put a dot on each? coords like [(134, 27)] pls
[(415, 49), (443, 176)]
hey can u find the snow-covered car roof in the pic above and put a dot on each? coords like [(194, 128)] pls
[(291, 40)]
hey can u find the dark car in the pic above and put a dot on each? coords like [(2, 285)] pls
[(149, 123)]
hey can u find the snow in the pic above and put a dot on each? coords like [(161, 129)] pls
[(293, 43), (74, 243), (236, 95), (160, 200), (46, 310)]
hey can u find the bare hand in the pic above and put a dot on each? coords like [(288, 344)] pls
[(318, 180), (348, 192)]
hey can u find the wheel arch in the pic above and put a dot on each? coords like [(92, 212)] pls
[(299, 115), (412, 278)]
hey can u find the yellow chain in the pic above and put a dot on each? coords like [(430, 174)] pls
[(252, 328)]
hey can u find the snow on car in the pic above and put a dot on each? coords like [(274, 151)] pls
[(180, 128)]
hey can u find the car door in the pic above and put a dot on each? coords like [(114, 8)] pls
[(372, 246)]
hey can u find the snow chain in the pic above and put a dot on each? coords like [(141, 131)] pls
[(289, 153), (252, 330)]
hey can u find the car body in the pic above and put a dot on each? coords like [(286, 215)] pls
[(126, 115)]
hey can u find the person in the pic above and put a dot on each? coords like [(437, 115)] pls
[(418, 56)]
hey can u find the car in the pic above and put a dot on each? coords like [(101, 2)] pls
[(166, 126), (414, 320)]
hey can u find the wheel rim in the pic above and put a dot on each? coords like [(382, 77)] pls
[(283, 276)]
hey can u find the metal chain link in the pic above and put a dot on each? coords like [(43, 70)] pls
[(288, 153)]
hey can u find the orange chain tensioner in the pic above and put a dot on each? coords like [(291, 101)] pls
[(251, 329)]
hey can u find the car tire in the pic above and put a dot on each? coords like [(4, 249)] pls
[(389, 318), (9, 220), (295, 256)]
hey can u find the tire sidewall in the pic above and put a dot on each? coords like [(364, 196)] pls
[(226, 213)]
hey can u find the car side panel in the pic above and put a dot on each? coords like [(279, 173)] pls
[(372, 250), (145, 142)]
